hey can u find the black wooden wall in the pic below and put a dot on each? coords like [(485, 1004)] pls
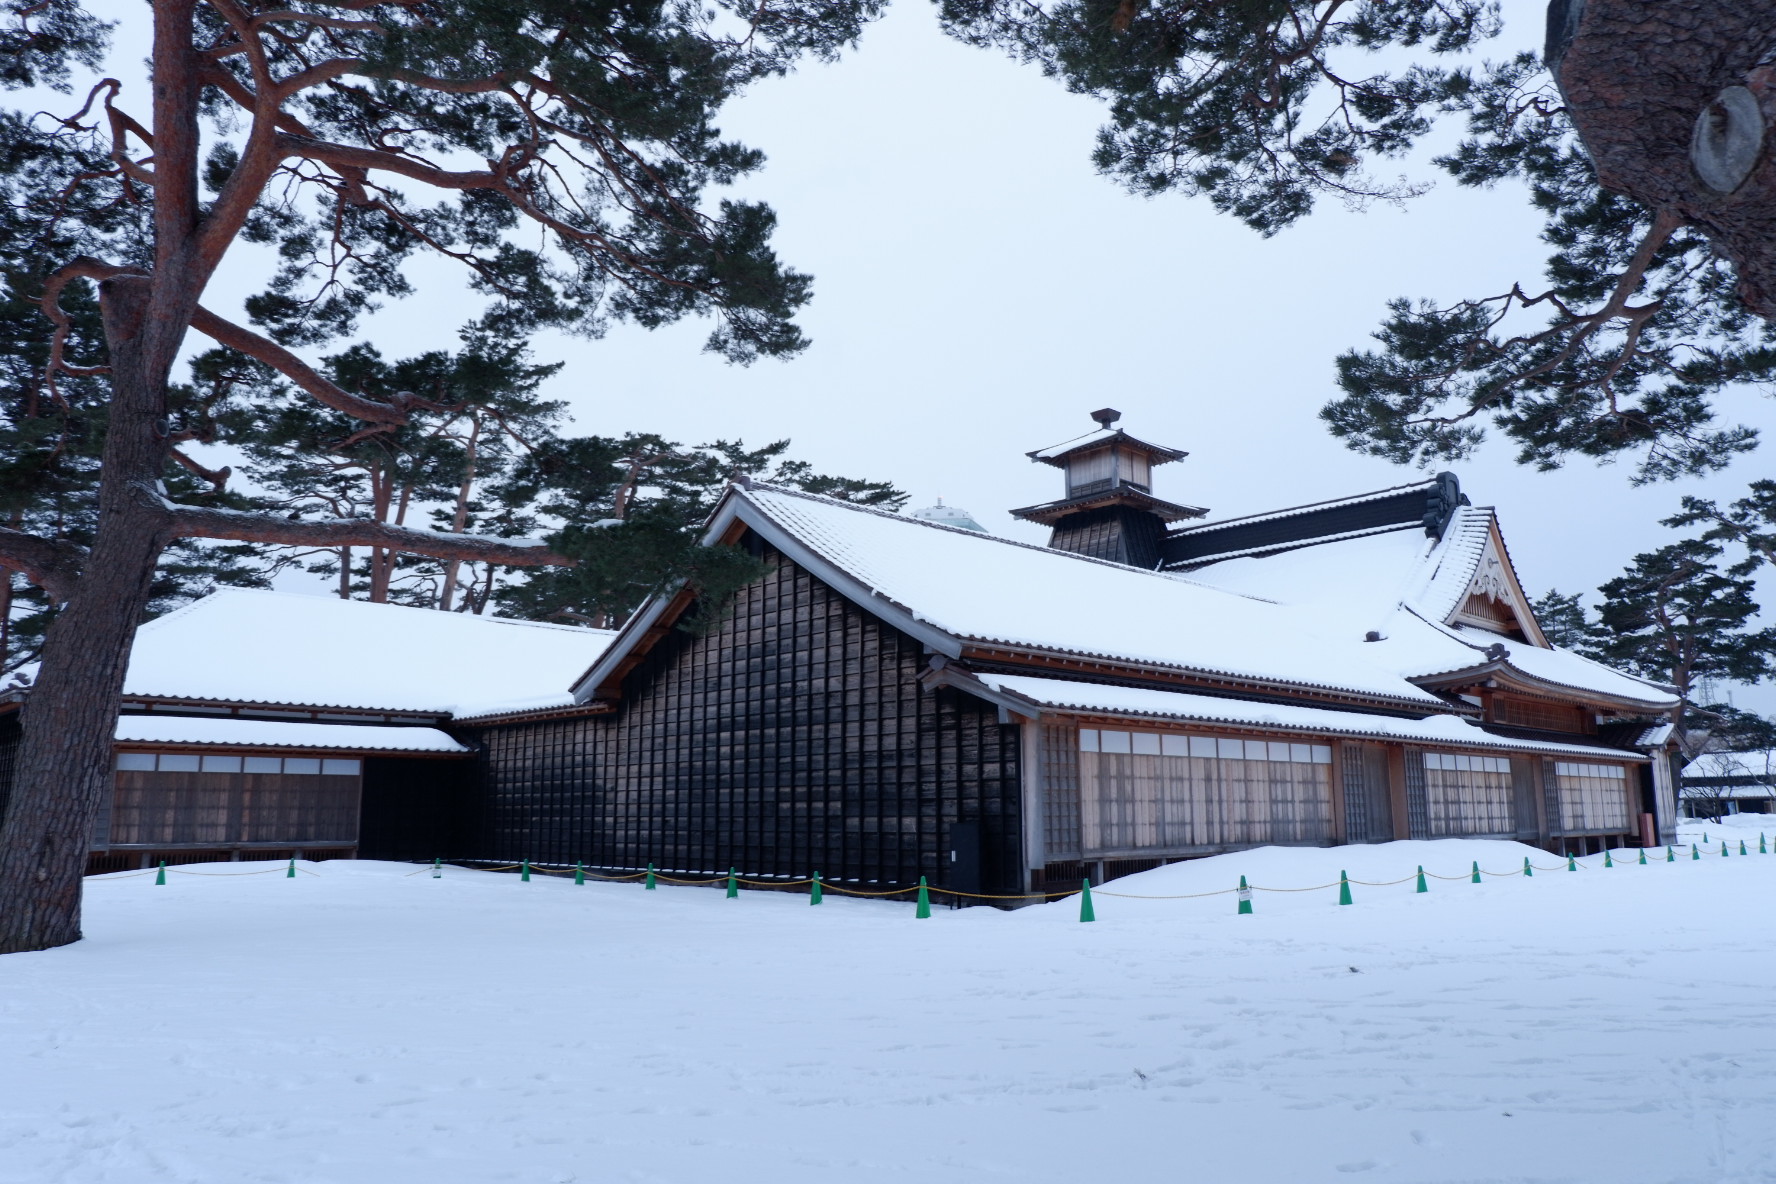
[(793, 738)]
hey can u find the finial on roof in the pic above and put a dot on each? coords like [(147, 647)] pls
[(1106, 416)]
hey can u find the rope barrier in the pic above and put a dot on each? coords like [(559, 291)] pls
[(1245, 891)]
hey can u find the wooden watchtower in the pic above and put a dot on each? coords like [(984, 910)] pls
[(1109, 511)]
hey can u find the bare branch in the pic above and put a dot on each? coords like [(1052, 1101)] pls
[(241, 526), (295, 369), (52, 564)]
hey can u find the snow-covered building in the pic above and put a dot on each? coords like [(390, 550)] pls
[(1719, 783), (900, 697), (263, 724)]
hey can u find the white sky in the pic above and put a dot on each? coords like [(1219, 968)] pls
[(979, 289)]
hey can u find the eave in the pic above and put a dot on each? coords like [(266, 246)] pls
[(295, 712), (1048, 513), (1501, 675), (1009, 660)]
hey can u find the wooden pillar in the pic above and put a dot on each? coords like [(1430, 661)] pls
[(1396, 760), (1035, 812), (1338, 828)]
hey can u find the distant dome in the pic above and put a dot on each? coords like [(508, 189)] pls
[(948, 516)]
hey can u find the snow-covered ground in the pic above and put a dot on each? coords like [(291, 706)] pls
[(361, 1025)]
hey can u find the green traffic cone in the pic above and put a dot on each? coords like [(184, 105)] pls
[(1085, 901), (1421, 879), (291, 874), (650, 879), (1762, 850), (1695, 852), (1670, 855), (1725, 851), (579, 873), (437, 868), (1245, 898), (1742, 849), (1528, 871), (1607, 861), (733, 885), (524, 875), (161, 876), (1572, 865), (1344, 888), (1643, 857), (1476, 878), (924, 909), (814, 892)]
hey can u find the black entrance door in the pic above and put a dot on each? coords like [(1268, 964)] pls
[(964, 855)]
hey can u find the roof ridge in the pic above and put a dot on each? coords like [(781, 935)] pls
[(1286, 511), (993, 538)]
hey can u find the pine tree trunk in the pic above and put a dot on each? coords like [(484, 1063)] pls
[(1644, 82), (64, 767)]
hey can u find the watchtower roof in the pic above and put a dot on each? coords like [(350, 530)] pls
[(1057, 455)]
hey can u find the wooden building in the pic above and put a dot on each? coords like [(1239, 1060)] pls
[(899, 697), (264, 725)]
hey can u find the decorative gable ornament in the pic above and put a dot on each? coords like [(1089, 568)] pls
[(1494, 599)]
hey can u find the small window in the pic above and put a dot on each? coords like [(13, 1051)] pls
[(179, 762), (1202, 746), (341, 768), (1301, 754), (1278, 750), (135, 762), (1146, 743), (265, 764), (1113, 741), (1322, 754), (1257, 750), (1088, 739), (1176, 745), (1231, 750), (221, 764), (306, 765)]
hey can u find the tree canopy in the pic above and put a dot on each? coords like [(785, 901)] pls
[(1627, 133)]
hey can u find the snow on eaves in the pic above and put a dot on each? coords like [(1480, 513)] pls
[(1146, 703), (262, 733), (247, 646), (470, 712), (987, 590)]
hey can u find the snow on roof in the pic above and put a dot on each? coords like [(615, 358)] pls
[(466, 712), (1103, 436), (1149, 703), (263, 733), (1404, 585), (249, 646), (1424, 649), (984, 589), (1732, 764), (1346, 587)]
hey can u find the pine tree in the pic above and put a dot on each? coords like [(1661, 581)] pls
[(1679, 616), (1637, 134), (562, 154), (473, 412), (632, 511), (1563, 620)]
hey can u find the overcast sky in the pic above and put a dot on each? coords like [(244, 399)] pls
[(979, 289)]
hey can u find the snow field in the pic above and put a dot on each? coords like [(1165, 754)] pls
[(363, 1024)]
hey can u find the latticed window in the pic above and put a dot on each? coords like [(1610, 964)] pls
[(1160, 790), (1592, 797), (1468, 795)]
